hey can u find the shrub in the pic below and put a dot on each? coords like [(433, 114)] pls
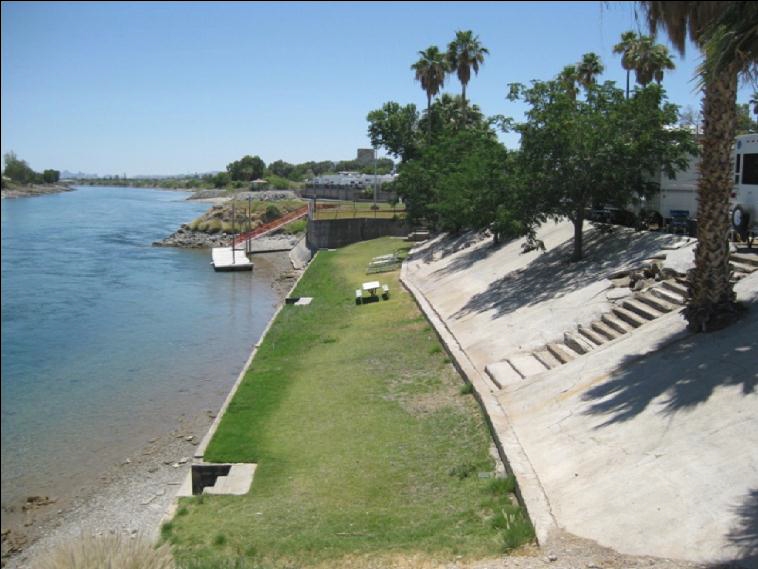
[(272, 213), (114, 552)]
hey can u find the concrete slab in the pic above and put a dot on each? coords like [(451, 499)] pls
[(502, 373), (651, 446), (649, 443)]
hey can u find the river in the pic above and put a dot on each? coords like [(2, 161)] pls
[(107, 342)]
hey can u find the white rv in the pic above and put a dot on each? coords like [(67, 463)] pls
[(744, 198), (675, 206)]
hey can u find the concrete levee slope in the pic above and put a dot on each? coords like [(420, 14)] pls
[(648, 445)]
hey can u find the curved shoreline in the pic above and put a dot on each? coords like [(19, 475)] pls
[(34, 190)]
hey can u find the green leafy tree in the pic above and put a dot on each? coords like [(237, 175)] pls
[(603, 149), (447, 112), (727, 34), (431, 69), (246, 169), (18, 170), (220, 180), (51, 176), (395, 128), (465, 53), (281, 168)]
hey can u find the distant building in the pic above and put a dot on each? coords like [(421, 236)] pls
[(365, 156)]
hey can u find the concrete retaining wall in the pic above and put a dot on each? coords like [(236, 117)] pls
[(333, 233)]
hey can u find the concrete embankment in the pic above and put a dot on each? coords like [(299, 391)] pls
[(647, 444)]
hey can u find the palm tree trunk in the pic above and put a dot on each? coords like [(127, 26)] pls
[(712, 302), (627, 83), (429, 114), (463, 102)]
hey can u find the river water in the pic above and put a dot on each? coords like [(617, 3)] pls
[(106, 340)]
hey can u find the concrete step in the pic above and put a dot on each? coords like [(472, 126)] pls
[(743, 267), (641, 309), (547, 359), (655, 302), (604, 330), (675, 286), (616, 324), (237, 482), (562, 352), (745, 258), (502, 374), (577, 343), (629, 318), (592, 336), (526, 365), (669, 296)]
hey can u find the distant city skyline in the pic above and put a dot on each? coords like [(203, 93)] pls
[(162, 88)]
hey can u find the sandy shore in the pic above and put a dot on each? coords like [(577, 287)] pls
[(129, 498), (34, 190)]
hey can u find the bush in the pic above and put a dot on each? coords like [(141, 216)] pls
[(272, 213)]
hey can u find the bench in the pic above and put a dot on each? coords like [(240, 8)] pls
[(385, 292), (358, 296)]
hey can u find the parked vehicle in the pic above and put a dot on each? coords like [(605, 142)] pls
[(674, 207), (744, 198)]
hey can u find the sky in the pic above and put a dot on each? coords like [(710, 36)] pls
[(141, 88)]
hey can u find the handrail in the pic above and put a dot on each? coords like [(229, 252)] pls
[(270, 226)]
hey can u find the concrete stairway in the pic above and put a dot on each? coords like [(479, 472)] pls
[(629, 314), (237, 482)]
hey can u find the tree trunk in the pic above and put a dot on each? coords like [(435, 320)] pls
[(463, 102), (429, 114), (578, 234), (627, 83), (712, 302)]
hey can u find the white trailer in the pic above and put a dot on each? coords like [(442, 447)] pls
[(744, 198)]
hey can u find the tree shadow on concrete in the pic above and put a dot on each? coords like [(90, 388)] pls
[(449, 246), (683, 374), (552, 275), (745, 535)]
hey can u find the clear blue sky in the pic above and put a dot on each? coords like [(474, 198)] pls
[(164, 88)]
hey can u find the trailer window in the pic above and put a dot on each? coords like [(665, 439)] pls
[(750, 169)]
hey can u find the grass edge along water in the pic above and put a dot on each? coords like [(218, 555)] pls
[(365, 444)]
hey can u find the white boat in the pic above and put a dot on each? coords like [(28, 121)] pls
[(230, 259)]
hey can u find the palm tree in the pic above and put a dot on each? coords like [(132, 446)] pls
[(727, 33), (627, 48), (588, 69), (430, 70), (465, 53), (642, 55), (651, 60)]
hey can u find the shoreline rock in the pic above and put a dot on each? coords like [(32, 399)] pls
[(187, 238)]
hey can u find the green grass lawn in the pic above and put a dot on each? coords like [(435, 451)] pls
[(366, 443)]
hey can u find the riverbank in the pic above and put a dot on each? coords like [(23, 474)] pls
[(34, 190), (130, 496)]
